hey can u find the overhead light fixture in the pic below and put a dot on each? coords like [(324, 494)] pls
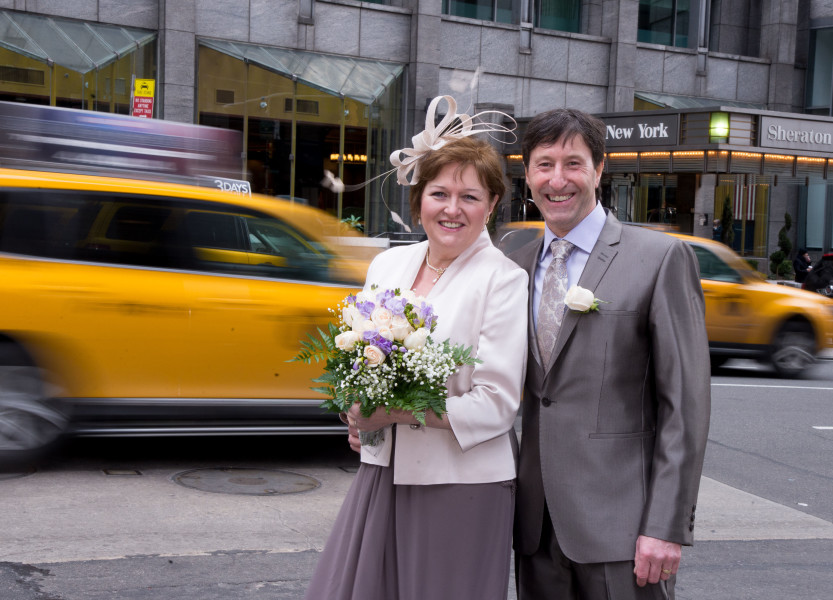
[(719, 128)]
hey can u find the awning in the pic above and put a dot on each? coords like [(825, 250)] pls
[(76, 45), (357, 78), (672, 101)]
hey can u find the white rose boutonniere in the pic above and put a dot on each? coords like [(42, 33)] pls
[(581, 300)]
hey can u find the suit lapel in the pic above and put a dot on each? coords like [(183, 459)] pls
[(527, 257), (597, 264)]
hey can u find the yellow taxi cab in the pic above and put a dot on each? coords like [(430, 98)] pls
[(746, 316), (133, 307)]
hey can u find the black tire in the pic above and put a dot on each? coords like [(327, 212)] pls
[(31, 422), (793, 349), (717, 361)]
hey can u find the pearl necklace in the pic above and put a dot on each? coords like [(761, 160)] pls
[(438, 271)]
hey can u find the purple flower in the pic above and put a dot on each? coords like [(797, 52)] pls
[(384, 296), (373, 337), (396, 305), (366, 308), (426, 316)]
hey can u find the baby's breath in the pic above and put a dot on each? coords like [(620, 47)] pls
[(409, 376)]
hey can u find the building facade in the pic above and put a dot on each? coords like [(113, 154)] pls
[(729, 102)]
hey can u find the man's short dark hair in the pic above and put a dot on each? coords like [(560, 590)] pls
[(563, 124)]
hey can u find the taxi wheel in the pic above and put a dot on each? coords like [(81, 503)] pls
[(793, 348), (717, 361), (30, 422)]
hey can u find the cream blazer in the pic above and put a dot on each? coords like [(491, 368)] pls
[(480, 301)]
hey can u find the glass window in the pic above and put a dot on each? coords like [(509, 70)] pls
[(137, 223), (340, 115), (664, 22), (814, 228), (214, 230), (712, 267), (654, 200), (162, 233), (60, 62), (743, 206), (559, 15), (820, 72), (501, 11)]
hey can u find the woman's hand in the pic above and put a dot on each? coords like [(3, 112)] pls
[(352, 432), (380, 418)]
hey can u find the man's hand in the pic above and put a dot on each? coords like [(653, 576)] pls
[(655, 560)]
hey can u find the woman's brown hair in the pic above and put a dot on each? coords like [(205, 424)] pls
[(464, 152)]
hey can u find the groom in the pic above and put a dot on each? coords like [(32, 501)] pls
[(616, 404)]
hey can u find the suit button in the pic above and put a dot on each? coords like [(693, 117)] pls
[(546, 401)]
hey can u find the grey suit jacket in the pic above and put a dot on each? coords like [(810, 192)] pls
[(614, 428)]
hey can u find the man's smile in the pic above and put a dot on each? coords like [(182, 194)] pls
[(559, 198)]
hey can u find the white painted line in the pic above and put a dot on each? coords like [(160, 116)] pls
[(782, 387), (822, 427)]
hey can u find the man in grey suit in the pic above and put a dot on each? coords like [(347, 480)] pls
[(615, 420)]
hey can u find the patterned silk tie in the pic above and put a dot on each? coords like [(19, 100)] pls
[(551, 309)]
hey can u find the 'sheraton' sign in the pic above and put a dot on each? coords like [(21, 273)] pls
[(648, 130), (796, 134)]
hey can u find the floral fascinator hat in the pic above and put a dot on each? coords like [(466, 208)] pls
[(436, 135), (452, 126)]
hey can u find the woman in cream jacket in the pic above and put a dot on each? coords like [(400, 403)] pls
[(429, 514)]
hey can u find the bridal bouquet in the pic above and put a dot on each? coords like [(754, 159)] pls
[(380, 353)]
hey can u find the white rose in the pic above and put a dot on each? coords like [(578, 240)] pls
[(409, 295), (386, 333), (346, 340), (365, 296), (374, 355), (400, 328), (381, 317), (417, 339), (350, 314), (579, 298), (361, 325)]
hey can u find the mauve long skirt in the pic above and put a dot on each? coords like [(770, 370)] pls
[(417, 542)]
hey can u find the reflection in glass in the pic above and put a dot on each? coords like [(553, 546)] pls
[(560, 15), (60, 62), (339, 115), (664, 22)]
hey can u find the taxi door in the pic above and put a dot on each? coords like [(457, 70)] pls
[(729, 312)]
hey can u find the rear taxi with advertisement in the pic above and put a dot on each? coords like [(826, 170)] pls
[(746, 316), (139, 307)]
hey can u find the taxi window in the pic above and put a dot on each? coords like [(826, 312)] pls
[(214, 230), (173, 233), (137, 223), (712, 267), (40, 224)]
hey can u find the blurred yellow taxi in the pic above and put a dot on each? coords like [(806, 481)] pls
[(135, 307), (746, 316)]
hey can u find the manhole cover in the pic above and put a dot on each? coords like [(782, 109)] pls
[(253, 482)]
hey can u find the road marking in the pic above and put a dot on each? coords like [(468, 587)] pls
[(783, 387), (822, 427)]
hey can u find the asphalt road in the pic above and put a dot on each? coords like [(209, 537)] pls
[(227, 518)]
